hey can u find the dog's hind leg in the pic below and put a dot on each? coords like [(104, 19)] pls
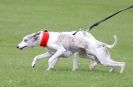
[(121, 64), (104, 57), (113, 64), (41, 56)]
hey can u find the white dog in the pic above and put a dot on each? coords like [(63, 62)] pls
[(65, 44)]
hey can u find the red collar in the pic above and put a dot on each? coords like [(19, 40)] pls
[(44, 40)]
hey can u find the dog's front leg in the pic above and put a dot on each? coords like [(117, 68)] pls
[(74, 62), (93, 64), (93, 61), (41, 56), (52, 60)]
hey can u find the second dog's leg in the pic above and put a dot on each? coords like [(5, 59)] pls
[(74, 62), (38, 57)]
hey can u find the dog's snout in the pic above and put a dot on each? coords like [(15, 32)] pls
[(17, 47)]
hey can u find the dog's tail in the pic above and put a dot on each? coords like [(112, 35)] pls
[(111, 46)]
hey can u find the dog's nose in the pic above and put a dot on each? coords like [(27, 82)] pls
[(17, 46)]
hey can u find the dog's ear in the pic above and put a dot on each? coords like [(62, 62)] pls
[(45, 30), (36, 35)]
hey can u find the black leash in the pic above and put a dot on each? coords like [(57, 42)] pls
[(99, 22)]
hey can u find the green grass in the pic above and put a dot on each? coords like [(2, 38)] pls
[(21, 17)]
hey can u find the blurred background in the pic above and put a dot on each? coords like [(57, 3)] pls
[(22, 17)]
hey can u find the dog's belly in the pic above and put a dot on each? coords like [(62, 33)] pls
[(67, 54)]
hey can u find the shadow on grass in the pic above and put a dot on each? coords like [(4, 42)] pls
[(96, 71)]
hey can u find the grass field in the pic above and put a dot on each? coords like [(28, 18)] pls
[(21, 17)]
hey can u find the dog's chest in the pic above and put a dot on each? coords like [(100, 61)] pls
[(67, 53)]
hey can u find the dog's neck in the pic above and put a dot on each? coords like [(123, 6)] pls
[(44, 39)]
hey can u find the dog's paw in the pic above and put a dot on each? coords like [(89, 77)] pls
[(50, 68), (111, 69), (33, 65), (122, 68), (74, 69), (91, 67), (47, 69)]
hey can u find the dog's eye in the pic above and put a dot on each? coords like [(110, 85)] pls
[(25, 40)]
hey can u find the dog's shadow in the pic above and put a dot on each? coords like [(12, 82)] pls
[(95, 71)]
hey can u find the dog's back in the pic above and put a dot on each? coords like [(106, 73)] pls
[(72, 41)]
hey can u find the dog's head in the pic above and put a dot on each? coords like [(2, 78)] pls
[(29, 41)]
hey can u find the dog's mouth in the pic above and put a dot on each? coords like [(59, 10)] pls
[(21, 47)]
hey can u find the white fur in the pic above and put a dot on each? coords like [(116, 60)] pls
[(90, 47)]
